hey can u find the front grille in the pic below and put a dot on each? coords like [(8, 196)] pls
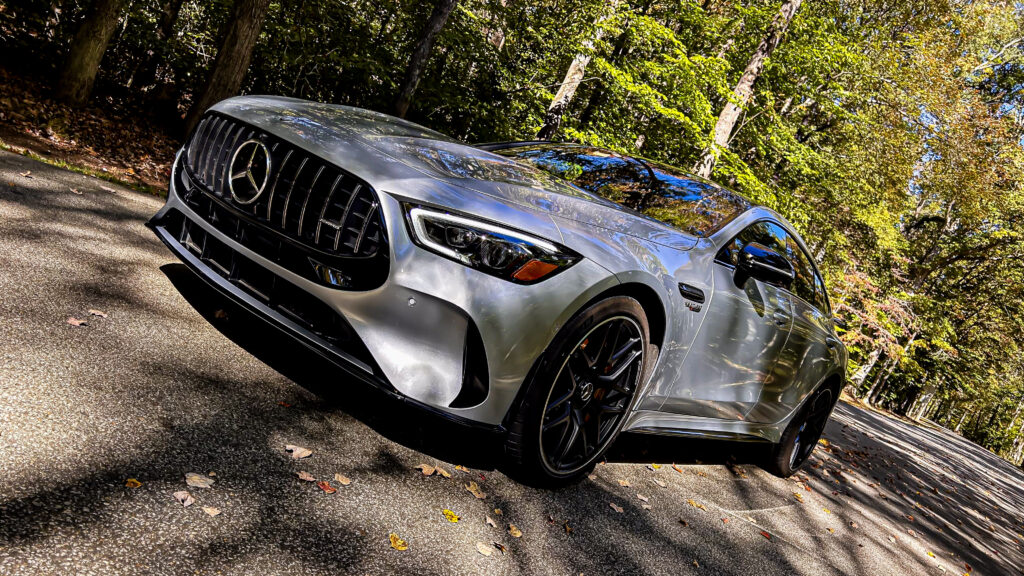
[(304, 197)]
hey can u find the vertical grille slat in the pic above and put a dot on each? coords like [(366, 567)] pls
[(300, 188)]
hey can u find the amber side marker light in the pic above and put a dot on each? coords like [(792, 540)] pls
[(533, 270)]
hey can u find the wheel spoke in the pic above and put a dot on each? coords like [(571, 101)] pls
[(558, 402), (620, 370), (574, 434)]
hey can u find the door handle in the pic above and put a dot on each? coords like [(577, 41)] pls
[(780, 318)]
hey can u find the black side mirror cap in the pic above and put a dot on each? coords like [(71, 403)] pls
[(762, 263)]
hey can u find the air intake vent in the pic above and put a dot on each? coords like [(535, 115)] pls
[(286, 188)]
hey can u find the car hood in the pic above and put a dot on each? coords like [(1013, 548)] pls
[(457, 164)]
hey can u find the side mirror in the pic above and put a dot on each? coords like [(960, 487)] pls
[(840, 322), (762, 263)]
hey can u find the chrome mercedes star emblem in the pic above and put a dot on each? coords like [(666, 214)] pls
[(249, 171)]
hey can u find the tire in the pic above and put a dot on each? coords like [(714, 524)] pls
[(802, 434), (570, 387)]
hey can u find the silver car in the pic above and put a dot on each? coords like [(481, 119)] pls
[(556, 294)]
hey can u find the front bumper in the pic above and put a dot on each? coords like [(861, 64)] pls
[(428, 334)]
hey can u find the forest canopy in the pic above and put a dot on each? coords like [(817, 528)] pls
[(889, 132)]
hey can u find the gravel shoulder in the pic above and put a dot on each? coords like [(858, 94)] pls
[(174, 380)]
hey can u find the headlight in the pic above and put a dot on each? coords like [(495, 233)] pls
[(493, 249)]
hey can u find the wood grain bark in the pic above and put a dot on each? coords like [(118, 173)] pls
[(78, 75), (420, 55)]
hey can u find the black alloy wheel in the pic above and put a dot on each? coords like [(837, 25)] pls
[(802, 435), (579, 394), (591, 394)]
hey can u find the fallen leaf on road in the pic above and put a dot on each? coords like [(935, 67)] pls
[(342, 479), (645, 506), (462, 468), (515, 532), (684, 523), (642, 498), (298, 451), (930, 554), (427, 469), (75, 191), (132, 483), (475, 490), (624, 483), (197, 480), (326, 487), (490, 521), (303, 475), (568, 529), (831, 530), (108, 189), (827, 511), (696, 504), (618, 509), (284, 404), (501, 548), (799, 496), (766, 535), (397, 543), (654, 467), (211, 510), (484, 548), (27, 174), (497, 511), (660, 483), (677, 468), (443, 472), (99, 313), (892, 539), (450, 516), (184, 498), (76, 322), (725, 520)]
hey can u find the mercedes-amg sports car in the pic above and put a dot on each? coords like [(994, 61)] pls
[(555, 294)]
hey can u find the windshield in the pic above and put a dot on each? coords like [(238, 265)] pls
[(656, 190)]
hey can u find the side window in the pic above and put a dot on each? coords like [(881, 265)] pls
[(807, 284), (765, 233), (819, 295)]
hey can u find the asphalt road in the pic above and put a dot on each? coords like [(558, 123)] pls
[(175, 380)]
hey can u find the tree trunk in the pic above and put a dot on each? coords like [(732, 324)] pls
[(744, 89), (418, 62), (241, 32), (78, 75), (573, 76), (862, 373), (169, 10)]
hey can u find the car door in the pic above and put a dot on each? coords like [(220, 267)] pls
[(809, 353), (744, 330)]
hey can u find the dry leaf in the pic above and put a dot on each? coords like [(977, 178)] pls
[(645, 506), (326, 487), (930, 554), (450, 516), (725, 520), (298, 451), (76, 322), (443, 472), (501, 548), (892, 539), (624, 483), (568, 529), (642, 498), (474, 489), (211, 510), (427, 469), (462, 468), (490, 521), (831, 530), (397, 543), (827, 511), (76, 191), (283, 403), (660, 483), (196, 480), (342, 479), (99, 313), (616, 508), (184, 498), (484, 548), (132, 483), (108, 189), (677, 468), (27, 174), (696, 504), (303, 475), (766, 535), (497, 511), (515, 532), (684, 523), (799, 497)]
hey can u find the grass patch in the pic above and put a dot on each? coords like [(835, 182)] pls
[(137, 186)]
